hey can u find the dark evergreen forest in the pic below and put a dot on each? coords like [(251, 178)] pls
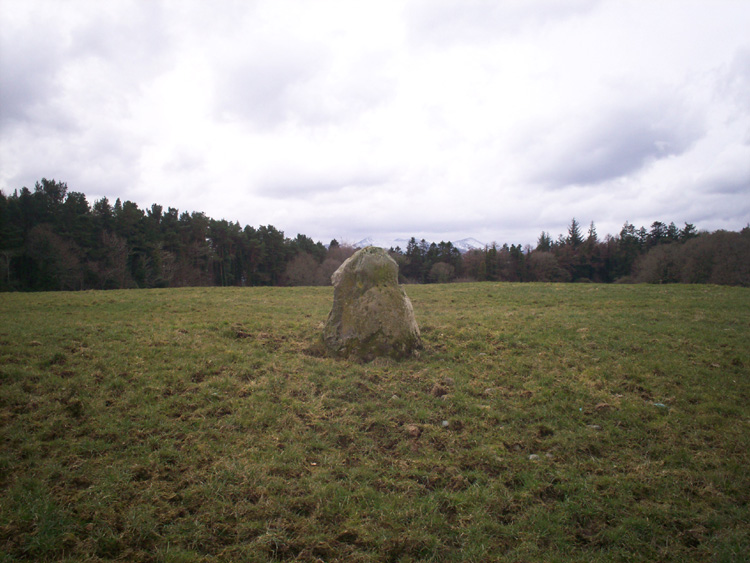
[(53, 239)]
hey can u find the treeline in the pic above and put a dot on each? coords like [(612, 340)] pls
[(662, 254), (53, 239)]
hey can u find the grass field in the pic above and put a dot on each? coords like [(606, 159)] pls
[(540, 422)]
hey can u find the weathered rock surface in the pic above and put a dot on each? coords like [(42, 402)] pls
[(371, 314)]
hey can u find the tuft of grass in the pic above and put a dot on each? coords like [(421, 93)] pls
[(539, 422)]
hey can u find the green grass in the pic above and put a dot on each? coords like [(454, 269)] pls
[(584, 423)]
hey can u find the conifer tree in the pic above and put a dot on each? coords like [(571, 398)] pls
[(575, 238), (593, 238), (544, 243)]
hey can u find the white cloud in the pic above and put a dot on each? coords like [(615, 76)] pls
[(441, 119)]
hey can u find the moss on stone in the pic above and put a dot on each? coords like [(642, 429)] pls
[(371, 314)]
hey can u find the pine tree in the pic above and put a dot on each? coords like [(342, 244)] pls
[(592, 238), (688, 232), (574, 234), (544, 243)]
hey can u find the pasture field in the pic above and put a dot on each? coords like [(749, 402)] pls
[(540, 422)]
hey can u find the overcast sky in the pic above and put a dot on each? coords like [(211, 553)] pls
[(442, 119)]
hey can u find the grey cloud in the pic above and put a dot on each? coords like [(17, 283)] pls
[(102, 161), (295, 184), (732, 213), (259, 87), (35, 62), (28, 72), (736, 82), (397, 215), (731, 181), (134, 41), (378, 210), (731, 186), (611, 145), (274, 84), (387, 227)]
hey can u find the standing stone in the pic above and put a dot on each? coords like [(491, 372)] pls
[(371, 314)]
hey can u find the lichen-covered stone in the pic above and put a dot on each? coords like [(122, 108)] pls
[(371, 314)]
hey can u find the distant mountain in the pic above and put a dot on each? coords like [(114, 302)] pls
[(382, 243), (466, 244), (463, 245)]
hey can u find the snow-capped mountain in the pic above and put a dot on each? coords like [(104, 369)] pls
[(463, 245), (382, 243), (466, 244)]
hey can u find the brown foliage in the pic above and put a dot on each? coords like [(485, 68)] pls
[(303, 269), (721, 257), (545, 267), (58, 258)]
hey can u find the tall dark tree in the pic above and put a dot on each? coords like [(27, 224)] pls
[(673, 233), (491, 265), (303, 243), (575, 238), (592, 237), (274, 252), (449, 254), (657, 234), (628, 249), (103, 214), (413, 267), (52, 194), (687, 232), (544, 242)]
